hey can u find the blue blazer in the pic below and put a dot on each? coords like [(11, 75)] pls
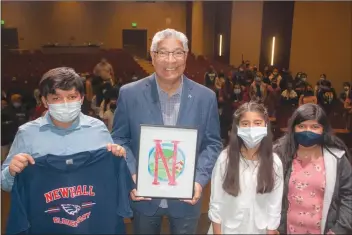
[(138, 103)]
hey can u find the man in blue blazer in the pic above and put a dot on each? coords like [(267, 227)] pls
[(167, 97)]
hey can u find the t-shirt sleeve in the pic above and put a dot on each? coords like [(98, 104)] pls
[(18, 219), (125, 185)]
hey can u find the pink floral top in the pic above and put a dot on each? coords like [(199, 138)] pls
[(305, 195)]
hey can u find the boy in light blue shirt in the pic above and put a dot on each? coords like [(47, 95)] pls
[(64, 130)]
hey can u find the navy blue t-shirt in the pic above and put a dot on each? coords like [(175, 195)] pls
[(83, 193)]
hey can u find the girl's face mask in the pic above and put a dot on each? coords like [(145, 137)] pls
[(252, 136)]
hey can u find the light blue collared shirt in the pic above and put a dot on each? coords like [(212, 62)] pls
[(170, 107), (41, 137)]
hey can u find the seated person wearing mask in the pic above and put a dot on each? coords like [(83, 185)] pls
[(258, 89), (308, 96), (240, 96), (346, 92), (17, 108), (297, 78), (209, 78), (63, 130), (289, 96), (275, 76), (301, 83), (319, 83), (326, 94), (239, 76)]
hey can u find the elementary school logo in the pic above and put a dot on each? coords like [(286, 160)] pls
[(166, 162), (70, 209)]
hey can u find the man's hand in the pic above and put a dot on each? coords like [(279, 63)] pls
[(117, 150), (133, 193), (197, 194), (19, 162)]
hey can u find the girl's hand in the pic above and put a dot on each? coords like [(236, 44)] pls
[(272, 232)]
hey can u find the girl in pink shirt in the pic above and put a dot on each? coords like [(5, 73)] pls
[(317, 196)]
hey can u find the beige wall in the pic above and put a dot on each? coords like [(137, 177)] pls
[(197, 28), (203, 28), (322, 41), (42, 22), (246, 27)]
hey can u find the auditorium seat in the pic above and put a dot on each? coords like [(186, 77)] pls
[(36, 63)]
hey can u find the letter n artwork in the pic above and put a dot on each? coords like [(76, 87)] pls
[(166, 162)]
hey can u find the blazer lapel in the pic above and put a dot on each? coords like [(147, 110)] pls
[(152, 100), (187, 99)]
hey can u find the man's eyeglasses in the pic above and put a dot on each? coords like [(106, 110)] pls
[(165, 54)]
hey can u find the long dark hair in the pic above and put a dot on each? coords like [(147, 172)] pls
[(286, 147), (265, 176)]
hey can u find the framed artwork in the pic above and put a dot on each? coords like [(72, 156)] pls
[(167, 162)]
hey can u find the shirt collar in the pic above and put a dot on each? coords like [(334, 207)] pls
[(178, 91), (78, 123)]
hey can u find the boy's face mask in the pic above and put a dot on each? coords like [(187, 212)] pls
[(65, 112)]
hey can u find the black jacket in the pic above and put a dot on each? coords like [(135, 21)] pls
[(337, 200)]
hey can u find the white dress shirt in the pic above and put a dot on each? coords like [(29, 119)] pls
[(249, 212)]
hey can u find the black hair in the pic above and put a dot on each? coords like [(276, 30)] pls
[(325, 83), (298, 75), (346, 84), (63, 78), (286, 146), (110, 94), (323, 75)]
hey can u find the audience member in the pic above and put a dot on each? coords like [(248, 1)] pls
[(104, 70), (289, 96), (17, 109), (346, 93), (307, 96), (272, 100), (209, 77), (275, 75), (9, 127), (258, 89)]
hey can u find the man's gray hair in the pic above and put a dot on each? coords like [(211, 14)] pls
[(169, 33)]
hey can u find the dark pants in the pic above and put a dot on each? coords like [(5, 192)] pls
[(143, 224), (120, 226)]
